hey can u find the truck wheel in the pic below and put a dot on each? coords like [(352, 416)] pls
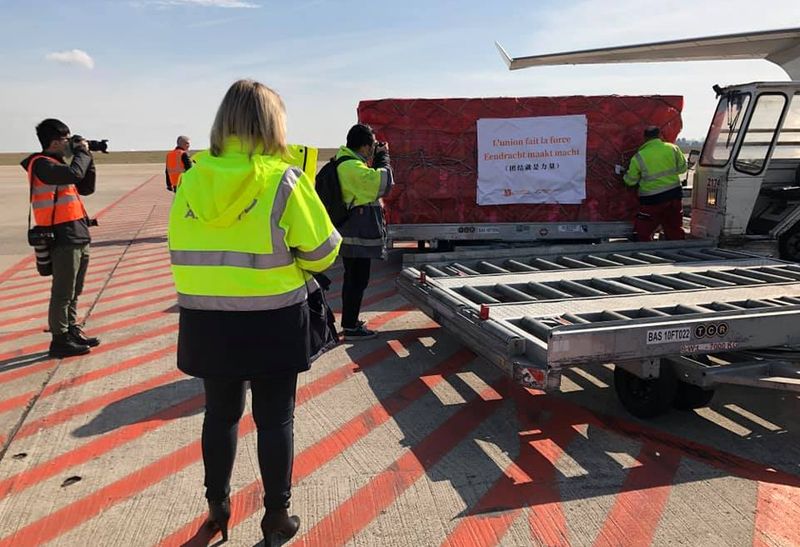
[(690, 397), (789, 245), (645, 398)]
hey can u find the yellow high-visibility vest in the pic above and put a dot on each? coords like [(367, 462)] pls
[(656, 168), (245, 233)]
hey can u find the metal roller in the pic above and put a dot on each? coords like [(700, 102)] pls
[(513, 294), (488, 267), (579, 288), (543, 264), (477, 296)]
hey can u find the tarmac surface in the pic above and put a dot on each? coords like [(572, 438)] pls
[(407, 439)]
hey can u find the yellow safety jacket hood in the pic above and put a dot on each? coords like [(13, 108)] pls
[(219, 189)]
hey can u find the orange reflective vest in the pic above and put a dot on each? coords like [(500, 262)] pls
[(175, 166), (53, 204)]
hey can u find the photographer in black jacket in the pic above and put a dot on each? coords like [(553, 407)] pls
[(55, 188)]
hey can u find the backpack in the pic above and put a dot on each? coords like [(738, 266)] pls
[(330, 191)]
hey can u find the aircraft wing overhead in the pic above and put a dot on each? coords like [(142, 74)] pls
[(781, 47)]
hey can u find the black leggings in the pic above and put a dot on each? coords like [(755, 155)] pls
[(356, 280), (273, 412)]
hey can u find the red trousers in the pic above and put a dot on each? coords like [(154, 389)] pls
[(668, 215)]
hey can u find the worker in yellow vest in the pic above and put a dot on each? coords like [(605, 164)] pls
[(246, 232), (178, 162), (365, 176), (655, 169)]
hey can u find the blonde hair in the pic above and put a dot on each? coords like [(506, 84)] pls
[(255, 114)]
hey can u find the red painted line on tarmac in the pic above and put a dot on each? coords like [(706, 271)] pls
[(128, 433), (777, 515), (384, 318), (736, 465), (130, 258), (14, 374), (22, 400), (372, 299), (95, 403), (113, 311), (91, 288), (530, 481), (19, 266), (638, 507), (103, 300), (249, 500), (773, 481), (99, 446), (372, 283), (93, 276), (43, 346), (352, 516), (104, 211), (13, 270), (379, 297), (72, 515)]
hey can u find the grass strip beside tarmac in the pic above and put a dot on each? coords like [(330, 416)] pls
[(131, 157)]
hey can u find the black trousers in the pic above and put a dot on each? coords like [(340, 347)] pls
[(273, 412), (356, 280)]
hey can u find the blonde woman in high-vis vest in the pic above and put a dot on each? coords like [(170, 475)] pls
[(246, 231)]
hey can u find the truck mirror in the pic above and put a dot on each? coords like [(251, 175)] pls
[(692, 159)]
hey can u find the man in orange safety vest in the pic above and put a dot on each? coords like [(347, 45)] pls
[(178, 162)]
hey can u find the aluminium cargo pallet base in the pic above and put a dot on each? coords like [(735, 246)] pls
[(679, 320), (509, 231)]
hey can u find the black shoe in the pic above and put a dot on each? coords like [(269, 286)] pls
[(277, 526), (64, 346), (77, 335), (219, 513), (359, 333)]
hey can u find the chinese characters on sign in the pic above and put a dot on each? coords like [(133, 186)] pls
[(531, 160)]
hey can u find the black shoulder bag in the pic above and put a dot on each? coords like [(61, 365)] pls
[(322, 323)]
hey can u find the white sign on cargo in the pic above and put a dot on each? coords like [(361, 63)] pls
[(532, 160)]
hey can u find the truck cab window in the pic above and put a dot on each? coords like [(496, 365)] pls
[(788, 145), (760, 133), (724, 130)]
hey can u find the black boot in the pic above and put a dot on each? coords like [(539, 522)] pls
[(219, 513), (77, 335), (277, 525), (64, 346)]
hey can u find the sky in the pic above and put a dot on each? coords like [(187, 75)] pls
[(141, 72)]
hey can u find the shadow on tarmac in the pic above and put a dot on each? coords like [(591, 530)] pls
[(24, 361), (598, 449), (139, 407), (126, 242)]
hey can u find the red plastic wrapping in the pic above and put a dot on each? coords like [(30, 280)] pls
[(433, 145)]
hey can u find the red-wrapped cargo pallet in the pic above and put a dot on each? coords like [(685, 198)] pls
[(433, 145)]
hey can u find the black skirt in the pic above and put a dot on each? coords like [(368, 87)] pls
[(244, 345)]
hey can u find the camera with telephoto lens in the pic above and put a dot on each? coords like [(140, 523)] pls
[(94, 146)]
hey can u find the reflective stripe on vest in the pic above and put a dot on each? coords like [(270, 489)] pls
[(651, 184), (230, 258), (175, 166), (243, 303), (327, 247), (235, 279), (53, 204)]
